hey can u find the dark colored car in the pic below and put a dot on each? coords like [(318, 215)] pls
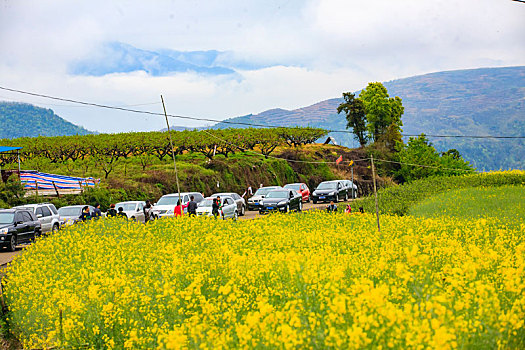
[(303, 190), (18, 226), (281, 200), (330, 191)]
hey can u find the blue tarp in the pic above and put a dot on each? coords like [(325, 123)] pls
[(8, 149)]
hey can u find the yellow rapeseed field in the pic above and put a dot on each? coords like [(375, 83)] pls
[(312, 280)]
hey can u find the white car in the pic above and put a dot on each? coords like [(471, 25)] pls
[(47, 214), (256, 200), (133, 209), (166, 204), (228, 207)]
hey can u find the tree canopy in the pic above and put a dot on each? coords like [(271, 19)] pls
[(373, 115)]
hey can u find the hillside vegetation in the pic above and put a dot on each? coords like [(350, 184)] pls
[(139, 165), (507, 203), (401, 198), (488, 101), (26, 120)]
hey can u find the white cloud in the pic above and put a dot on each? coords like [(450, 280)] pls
[(317, 49)]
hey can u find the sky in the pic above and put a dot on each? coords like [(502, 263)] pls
[(221, 59)]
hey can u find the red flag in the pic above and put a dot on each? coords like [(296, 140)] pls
[(339, 160)]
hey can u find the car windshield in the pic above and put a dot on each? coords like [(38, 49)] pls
[(277, 194), (70, 211), (263, 191), (6, 218), (168, 200), (206, 203), (326, 185), (126, 206), (296, 187)]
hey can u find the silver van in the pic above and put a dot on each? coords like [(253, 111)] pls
[(47, 214)]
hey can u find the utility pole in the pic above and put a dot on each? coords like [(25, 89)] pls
[(172, 151), (375, 191), (353, 182)]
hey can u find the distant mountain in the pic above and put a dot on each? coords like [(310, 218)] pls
[(486, 101), (116, 57), (26, 120)]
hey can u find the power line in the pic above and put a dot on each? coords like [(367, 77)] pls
[(231, 122), (423, 166)]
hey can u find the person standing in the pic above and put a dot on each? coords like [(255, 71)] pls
[(85, 215), (179, 208), (97, 213), (147, 211), (121, 213), (192, 206), (215, 206), (332, 208), (111, 211)]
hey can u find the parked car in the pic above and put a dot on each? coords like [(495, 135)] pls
[(281, 200), (18, 225), (303, 190), (228, 211), (330, 191), (133, 209), (241, 204), (71, 214), (255, 201), (349, 185), (166, 204), (47, 214)]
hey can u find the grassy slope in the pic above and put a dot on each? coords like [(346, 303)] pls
[(506, 203), (399, 199), (129, 181)]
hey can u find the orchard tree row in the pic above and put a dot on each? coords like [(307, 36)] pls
[(106, 149)]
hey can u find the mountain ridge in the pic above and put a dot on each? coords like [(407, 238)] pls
[(26, 120), (481, 101)]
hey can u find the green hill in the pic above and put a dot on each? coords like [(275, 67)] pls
[(26, 120), (487, 101)]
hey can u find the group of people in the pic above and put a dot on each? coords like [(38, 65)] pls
[(192, 207), (332, 208)]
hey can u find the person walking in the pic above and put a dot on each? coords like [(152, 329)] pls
[(121, 213), (111, 211), (147, 211), (216, 206), (192, 206), (97, 213), (332, 208), (85, 215), (179, 208)]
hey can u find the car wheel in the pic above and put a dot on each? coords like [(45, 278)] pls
[(12, 243), (133, 218), (300, 206), (314, 201), (55, 228)]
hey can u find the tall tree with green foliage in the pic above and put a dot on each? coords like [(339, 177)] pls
[(381, 110), (419, 159), (355, 116)]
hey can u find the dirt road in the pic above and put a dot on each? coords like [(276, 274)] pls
[(6, 257)]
